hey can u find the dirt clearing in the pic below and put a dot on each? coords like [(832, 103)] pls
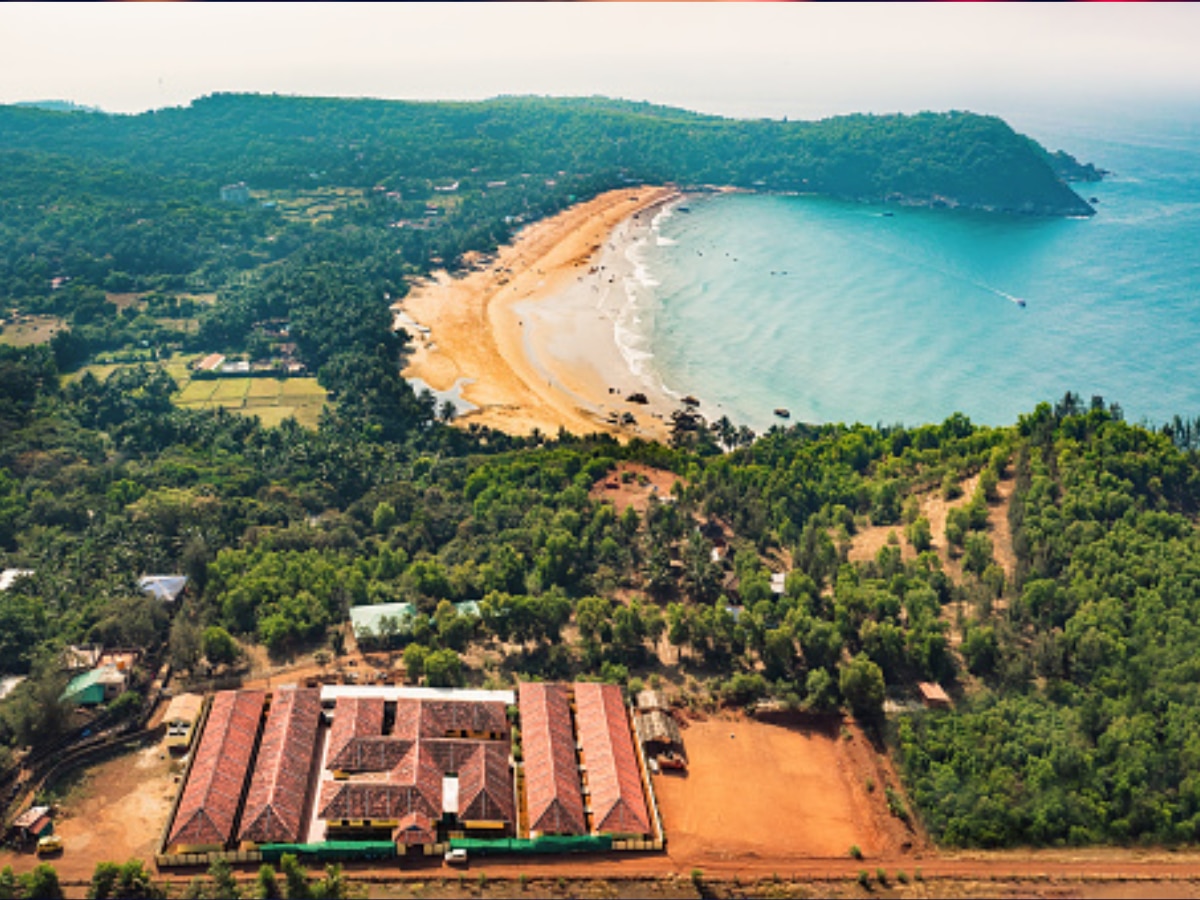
[(115, 811), (758, 791), (633, 484)]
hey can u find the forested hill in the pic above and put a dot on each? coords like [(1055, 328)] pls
[(954, 159)]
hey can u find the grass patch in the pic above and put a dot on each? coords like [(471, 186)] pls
[(30, 330), (197, 392), (230, 390), (264, 388), (302, 388)]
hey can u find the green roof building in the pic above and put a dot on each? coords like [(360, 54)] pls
[(95, 686), (368, 621)]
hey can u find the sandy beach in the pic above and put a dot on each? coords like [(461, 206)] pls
[(529, 341)]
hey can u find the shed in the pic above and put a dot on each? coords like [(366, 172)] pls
[(74, 658), (933, 695), (8, 684), (649, 699), (9, 577), (368, 621), (166, 588), (180, 719), (469, 608), (34, 822), (658, 732), (94, 687)]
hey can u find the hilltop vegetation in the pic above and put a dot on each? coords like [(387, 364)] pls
[(1077, 719)]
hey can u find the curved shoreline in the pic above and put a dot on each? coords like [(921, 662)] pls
[(532, 335)]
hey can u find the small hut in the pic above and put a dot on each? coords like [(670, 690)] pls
[(933, 695), (34, 823), (659, 733)]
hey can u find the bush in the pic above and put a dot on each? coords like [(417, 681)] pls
[(895, 803), (864, 878), (920, 534), (881, 876), (855, 852), (219, 645), (744, 688), (126, 706)]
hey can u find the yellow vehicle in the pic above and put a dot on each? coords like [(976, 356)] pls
[(49, 845)]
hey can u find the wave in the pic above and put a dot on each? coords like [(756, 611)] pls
[(640, 273)]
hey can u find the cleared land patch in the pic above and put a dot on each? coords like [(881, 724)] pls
[(116, 813), (757, 791), (30, 330)]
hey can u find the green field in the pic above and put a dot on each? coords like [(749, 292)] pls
[(271, 399)]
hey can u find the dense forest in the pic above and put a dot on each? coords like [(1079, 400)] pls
[(1076, 718)]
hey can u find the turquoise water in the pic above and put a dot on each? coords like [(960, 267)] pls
[(840, 313)]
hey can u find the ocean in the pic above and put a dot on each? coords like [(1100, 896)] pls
[(844, 312)]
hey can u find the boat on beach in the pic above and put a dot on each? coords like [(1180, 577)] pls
[(782, 413)]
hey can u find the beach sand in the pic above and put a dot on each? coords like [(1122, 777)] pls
[(529, 340)]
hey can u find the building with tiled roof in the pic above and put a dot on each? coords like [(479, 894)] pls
[(207, 810), (614, 779), (414, 785), (356, 739), (460, 718), (274, 810), (390, 758), (485, 795), (415, 828), (553, 792)]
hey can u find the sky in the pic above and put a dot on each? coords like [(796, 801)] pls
[(756, 59)]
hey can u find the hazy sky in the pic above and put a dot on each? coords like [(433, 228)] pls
[(756, 59)]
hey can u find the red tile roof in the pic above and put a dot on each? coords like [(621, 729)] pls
[(450, 755), (553, 794), (485, 788), (412, 759), (354, 717), (274, 807), (415, 828), (613, 777), (374, 800), (459, 718), (214, 788)]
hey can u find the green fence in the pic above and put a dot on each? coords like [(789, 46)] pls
[(550, 843), (331, 851)]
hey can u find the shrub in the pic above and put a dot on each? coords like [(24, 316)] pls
[(895, 803), (855, 852), (864, 878), (881, 876)]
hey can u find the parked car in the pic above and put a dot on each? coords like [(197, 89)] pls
[(456, 857), (49, 845)]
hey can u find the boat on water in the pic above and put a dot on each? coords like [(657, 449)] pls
[(782, 413), (1020, 303), (683, 209), (888, 215)]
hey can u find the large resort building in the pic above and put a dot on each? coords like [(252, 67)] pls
[(416, 767)]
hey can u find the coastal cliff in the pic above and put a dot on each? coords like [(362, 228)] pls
[(953, 160)]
